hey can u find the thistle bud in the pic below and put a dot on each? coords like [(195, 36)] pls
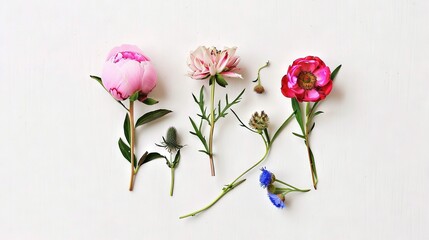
[(170, 141), (259, 122)]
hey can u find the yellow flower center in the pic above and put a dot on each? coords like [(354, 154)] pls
[(306, 80)]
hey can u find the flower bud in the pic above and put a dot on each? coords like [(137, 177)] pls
[(259, 122), (259, 89)]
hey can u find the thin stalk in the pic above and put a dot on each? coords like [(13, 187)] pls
[(236, 181), (172, 181), (294, 188), (232, 185), (267, 150), (224, 192), (259, 71), (132, 144), (212, 125)]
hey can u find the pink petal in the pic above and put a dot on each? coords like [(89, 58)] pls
[(125, 48), (231, 75), (323, 76), (149, 78), (311, 96)]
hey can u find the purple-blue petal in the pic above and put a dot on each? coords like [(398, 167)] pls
[(276, 200), (265, 178)]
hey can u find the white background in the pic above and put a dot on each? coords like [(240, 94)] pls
[(63, 177)]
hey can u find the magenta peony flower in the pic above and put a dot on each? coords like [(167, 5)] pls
[(205, 62), (126, 71), (308, 80)]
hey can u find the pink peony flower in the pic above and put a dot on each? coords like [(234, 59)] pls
[(205, 62), (308, 80), (126, 71)]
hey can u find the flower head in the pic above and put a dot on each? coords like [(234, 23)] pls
[(205, 62), (278, 200), (126, 71), (266, 178), (259, 122), (308, 79), (170, 141)]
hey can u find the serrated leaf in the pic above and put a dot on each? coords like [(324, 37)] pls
[(126, 151), (335, 72), (298, 114), (150, 101), (127, 131), (220, 80), (298, 135), (151, 116)]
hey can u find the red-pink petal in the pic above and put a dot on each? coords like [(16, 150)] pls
[(312, 96), (323, 76)]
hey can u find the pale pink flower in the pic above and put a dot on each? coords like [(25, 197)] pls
[(126, 71), (205, 62)]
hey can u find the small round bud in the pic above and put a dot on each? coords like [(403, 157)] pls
[(259, 89)]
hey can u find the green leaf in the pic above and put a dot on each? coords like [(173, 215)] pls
[(298, 135), (176, 159), (335, 72), (203, 151), (152, 156), (151, 116), (126, 151), (127, 131), (318, 112), (237, 100), (307, 108), (313, 167), (135, 96), (98, 79), (311, 129), (150, 101), (220, 80), (142, 159), (298, 115)]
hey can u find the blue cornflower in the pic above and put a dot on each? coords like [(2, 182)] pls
[(277, 199), (266, 178)]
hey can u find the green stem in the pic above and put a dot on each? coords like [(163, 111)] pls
[(294, 188), (224, 192), (307, 144), (236, 181), (172, 181), (267, 149), (132, 130), (277, 133), (212, 125), (267, 136), (259, 71)]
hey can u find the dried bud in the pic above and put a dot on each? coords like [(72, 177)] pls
[(259, 89), (259, 122)]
